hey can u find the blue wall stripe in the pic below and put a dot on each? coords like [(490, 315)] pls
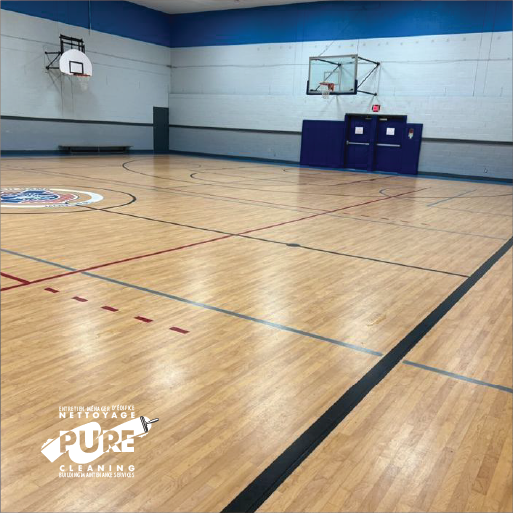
[(117, 18), (326, 21), (318, 21)]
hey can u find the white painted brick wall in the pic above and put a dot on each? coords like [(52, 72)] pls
[(459, 86), (129, 77)]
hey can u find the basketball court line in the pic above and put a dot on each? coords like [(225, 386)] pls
[(253, 319), (349, 255), (196, 303), (244, 201), (356, 218), (252, 189), (462, 209), (170, 190), (458, 376), (129, 259), (285, 183), (14, 278), (246, 317), (178, 192), (268, 481), (248, 202), (331, 211), (137, 257), (449, 199), (213, 171), (384, 193), (473, 211)]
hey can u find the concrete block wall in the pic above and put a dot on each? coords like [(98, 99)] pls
[(458, 84), (129, 78), (441, 81)]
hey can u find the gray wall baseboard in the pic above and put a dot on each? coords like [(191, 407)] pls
[(483, 160), (236, 143), (47, 135), (473, 159)]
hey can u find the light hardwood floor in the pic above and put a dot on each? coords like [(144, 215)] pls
[(291, 284)]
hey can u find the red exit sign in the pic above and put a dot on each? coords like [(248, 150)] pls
[(376, 108)]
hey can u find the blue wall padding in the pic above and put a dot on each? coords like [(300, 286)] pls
[(411, 149), (322, 143), (317, 21)]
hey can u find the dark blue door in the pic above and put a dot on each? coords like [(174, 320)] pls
[(389, 137), (358, 141)]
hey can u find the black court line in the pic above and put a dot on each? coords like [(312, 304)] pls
[(243, 201), (168, 190), (252, 189), (264, 485), (294, 245)]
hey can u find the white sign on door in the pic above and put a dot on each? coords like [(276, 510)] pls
[(358, 129), (390, 131)]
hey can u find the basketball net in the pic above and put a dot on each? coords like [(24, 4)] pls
[(326, 88), (83, 81)]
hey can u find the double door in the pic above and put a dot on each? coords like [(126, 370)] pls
[(382, 143)]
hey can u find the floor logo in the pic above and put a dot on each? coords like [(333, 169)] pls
[(44, 197), (86, 443)]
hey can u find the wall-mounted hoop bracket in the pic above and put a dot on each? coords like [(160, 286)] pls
[(66, 43)]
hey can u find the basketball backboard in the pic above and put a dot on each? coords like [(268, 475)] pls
[(75, 62), (339, 71)]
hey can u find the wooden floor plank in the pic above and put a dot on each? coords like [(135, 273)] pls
[(257, 352)]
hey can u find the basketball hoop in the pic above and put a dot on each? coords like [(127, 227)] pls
[(83, 80), (326, 88)]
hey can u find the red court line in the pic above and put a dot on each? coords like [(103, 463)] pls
[(253, 201), (14, 286), (69, 273), (15, 278), (331, 211), (179, 330), (143, 319), (53, 291), (110, 308), (80, 299)]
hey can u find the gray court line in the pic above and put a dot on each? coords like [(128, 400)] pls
[(472, 211), (449, 199), (374, 220), (458, 376), (261, 321), (37, 259), (206, 306)]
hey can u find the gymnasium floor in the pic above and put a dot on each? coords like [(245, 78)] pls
[(244, 300)]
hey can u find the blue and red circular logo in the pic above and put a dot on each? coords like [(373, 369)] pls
[(40, 197)]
